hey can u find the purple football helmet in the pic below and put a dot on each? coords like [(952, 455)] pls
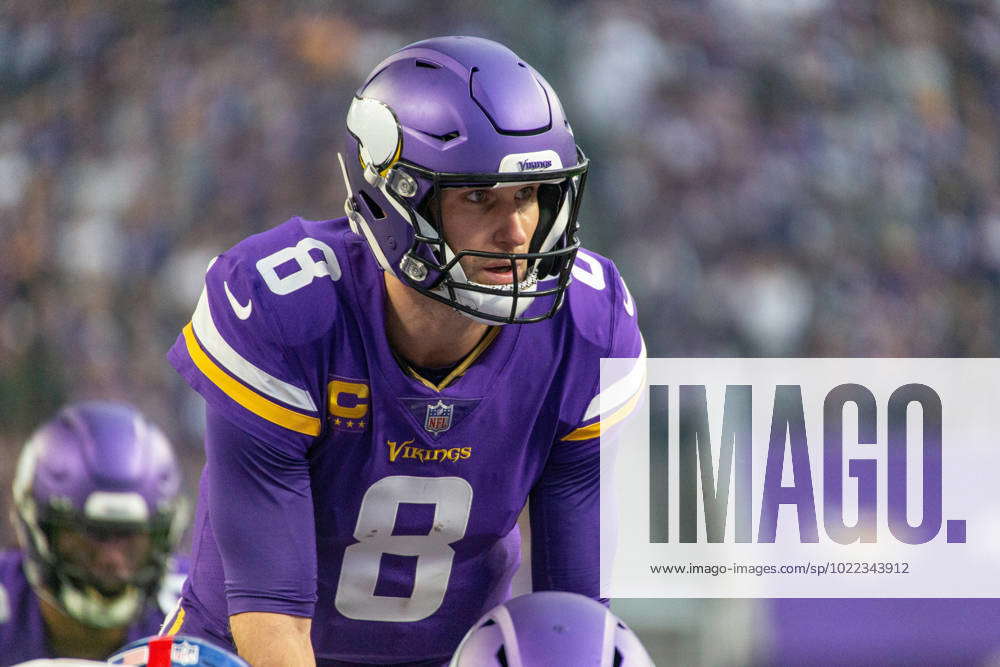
[(97, 494), (462, 112), (550, 629)]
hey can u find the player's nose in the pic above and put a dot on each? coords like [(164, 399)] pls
[(114, 558), (512, 227)]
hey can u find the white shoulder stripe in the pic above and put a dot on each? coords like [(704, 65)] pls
[(232, 361), (622, 390)]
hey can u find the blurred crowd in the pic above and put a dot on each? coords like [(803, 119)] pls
[(801, 177)]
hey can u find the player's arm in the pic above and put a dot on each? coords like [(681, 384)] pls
[(262, 417), (565, 509), (273, 640), (565, 529), (262, 519), (565, 504)]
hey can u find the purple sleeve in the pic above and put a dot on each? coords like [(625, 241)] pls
[(565, 514), (565, 503), (261, 512)]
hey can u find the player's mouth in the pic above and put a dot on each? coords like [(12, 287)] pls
[(499, 273), (502, 280)]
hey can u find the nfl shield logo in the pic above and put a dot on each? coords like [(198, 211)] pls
[(438, 417), (185, 653)]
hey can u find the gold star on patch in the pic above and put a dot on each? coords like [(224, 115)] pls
[(350, 424), (336, 421), (361, 424)]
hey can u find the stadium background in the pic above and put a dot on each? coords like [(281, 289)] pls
[(773, 177)]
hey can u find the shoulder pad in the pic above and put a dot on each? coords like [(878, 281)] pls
[(257, 341), (290, 274), (603, 316), (600, 304)]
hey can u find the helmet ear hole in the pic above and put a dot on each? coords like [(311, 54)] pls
[(376, 210)]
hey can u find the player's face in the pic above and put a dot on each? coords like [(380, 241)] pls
[(492, 220), (111, 558)]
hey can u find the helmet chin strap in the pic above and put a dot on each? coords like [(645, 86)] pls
[(497, 302)]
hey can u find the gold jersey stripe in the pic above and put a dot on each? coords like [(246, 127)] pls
[(246, 397), (595, 429), (477, 351), (421, 379), (178, 622)]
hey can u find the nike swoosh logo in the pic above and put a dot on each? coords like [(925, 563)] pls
[(242, 312)]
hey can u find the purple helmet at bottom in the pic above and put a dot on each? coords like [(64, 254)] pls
[(97, 494), (550, 629)]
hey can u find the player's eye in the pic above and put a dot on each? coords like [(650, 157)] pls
[(476, 196), (527, 192)]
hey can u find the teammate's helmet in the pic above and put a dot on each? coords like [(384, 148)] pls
[(462, 112), (98, 511), (550, 629), (176, 651)]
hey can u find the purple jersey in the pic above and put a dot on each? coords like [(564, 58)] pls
[(364, 496), (22, 629)]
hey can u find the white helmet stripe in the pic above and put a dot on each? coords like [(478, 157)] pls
[(608, 640), (506, 623)]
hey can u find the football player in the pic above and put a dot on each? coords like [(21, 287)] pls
[(386, 391), (550, 629), (98, 511)]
